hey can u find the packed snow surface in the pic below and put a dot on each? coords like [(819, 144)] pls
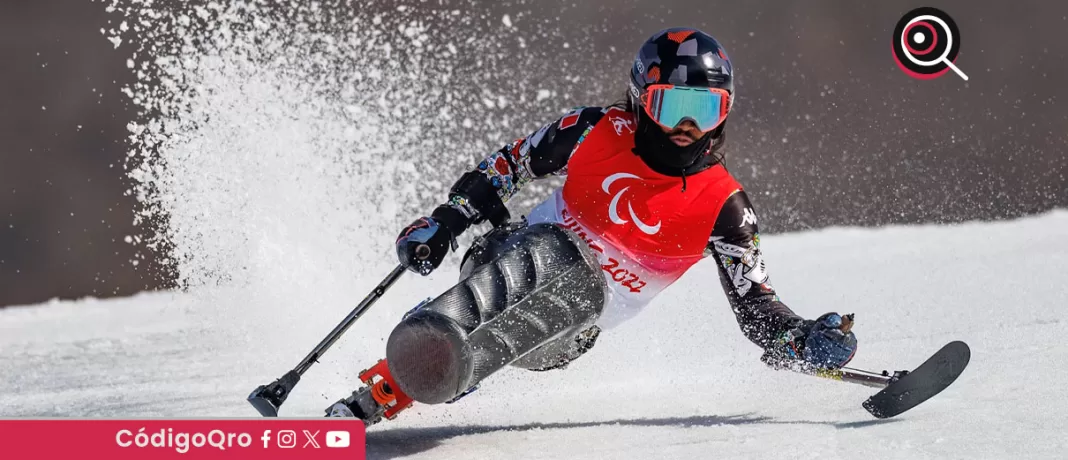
[(679, 381)]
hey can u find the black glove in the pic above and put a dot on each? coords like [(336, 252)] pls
[(826, 343), (422, 245)]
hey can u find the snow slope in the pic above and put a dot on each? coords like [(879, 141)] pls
[(680, 381)]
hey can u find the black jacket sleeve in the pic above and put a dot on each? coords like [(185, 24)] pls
[(480, 194), (735, 243)]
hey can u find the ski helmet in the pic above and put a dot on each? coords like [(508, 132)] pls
[(680, 74)]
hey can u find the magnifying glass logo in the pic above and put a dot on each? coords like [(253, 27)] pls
[(926, 42)]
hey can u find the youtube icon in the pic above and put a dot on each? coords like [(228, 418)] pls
[(337, 439)]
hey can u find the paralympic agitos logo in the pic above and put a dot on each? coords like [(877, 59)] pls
[(613, 207)]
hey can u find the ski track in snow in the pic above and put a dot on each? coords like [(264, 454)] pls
[(679, 381)]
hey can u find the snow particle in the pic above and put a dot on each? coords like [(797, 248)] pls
[(297, 121)]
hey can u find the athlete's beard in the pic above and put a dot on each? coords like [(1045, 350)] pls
[(656, 148)]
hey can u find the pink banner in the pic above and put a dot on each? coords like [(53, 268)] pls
[(267, 439)]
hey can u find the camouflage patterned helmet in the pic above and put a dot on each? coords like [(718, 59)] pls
[(683, 57)]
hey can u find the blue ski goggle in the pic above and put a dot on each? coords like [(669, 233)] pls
[(670, 105)]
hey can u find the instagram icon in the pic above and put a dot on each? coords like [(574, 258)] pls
[(287, 439)]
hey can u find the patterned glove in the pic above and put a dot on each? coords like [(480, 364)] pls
[(422, 245), (825, 343)]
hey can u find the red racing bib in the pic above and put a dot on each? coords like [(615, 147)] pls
[(645, 214)]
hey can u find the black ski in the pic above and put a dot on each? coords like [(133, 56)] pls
[(903, 390), (908, 389)]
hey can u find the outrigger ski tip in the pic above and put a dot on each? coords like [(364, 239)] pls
[(268, 398), (904, 390), (923, 383)]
